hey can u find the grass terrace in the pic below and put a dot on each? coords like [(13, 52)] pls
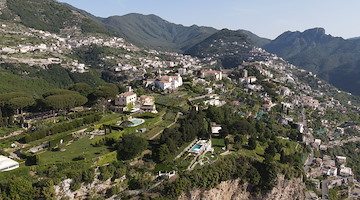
[(78, 149)]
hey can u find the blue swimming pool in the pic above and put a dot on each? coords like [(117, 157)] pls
[(196, 147), (134, 122)]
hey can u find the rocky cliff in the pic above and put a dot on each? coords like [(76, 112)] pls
[(284, 190)]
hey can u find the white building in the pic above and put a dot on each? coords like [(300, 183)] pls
[(7, 164), (201, 146), (166, 82), (217, 75), (333, 171), (345, 171), (341, 159), (125, 99)]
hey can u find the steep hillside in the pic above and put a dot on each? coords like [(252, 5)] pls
[(154, 32), (231, 48), (333, 58), (49, 15), (258, 41), (234, 189)]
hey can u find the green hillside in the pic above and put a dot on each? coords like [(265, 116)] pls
[(154, 32), (49, 15), (231, 48)]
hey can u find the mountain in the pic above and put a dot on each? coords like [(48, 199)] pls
[(334, 59), (49, 15), (354, 38), (230, 47), (155, 32), (258, 41)]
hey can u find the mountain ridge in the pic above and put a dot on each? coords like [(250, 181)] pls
[(334, 59), (153, 31)]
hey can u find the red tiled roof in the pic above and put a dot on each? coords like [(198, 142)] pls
[(126, 94), (209, 72)]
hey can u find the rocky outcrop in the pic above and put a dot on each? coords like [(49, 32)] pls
[(3, 5), (232, 190)]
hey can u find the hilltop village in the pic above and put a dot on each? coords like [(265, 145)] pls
[(164, 118)]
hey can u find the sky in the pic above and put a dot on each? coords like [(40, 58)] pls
[(266, 18)]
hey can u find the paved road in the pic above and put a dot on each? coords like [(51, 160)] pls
[(325, 189)]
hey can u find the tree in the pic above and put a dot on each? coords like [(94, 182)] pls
[(162, 153), (130, 146), (253, 175), (65, 101), (82, 88), (224, 131), (252, 143), (270, 150), (106, 91)]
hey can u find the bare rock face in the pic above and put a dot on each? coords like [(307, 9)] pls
[(3, 5), (232, 190)]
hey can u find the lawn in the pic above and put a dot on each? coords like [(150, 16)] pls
[(5, 130), (256, 154), (167, 119), (218, 144), (80, 147), (107, 158)]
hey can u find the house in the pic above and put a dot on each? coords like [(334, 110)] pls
[(124, 99), (345, 171), (182, 71), (284, 91), (209, 90), (7, 164), (201, 146), (217, 75), (215, 129), (332, 171), (267, 107), (176, 81), (166, 82), (341, 159), (251, 79), (147, 103), (310, 102), (317, 143)]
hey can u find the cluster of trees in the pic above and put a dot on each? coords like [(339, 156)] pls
[(11, 104), (130, 146), (193, 125), (21, 185), (59, 128), (57, 99), (50, 16), (261, 176)]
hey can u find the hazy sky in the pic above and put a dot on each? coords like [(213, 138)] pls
[(266, 18)]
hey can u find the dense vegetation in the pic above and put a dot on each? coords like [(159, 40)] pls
[(154, 32), (351, 151), (231, 48), (50, 16), (36, 80), (261, 176)]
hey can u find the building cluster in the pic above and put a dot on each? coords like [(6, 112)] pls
[(130, 102)]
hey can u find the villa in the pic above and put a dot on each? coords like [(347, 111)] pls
[(201, 146), (217, 75), (166, 82), (126, 98)]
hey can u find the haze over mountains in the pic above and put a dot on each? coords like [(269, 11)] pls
[(334, 59)]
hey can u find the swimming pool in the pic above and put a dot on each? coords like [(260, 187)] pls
[(196, 147), (133, 122)]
